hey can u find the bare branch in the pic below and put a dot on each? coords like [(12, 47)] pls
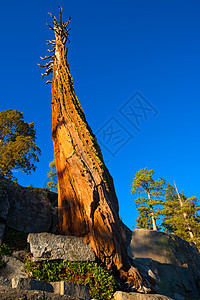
[(50, 68), (47, 72), (64, 40), (67, 23), (42, 66), (60, 28), (51, 49), (50, 63), (53, 42), (50, 27), (61, 10), (62, 36), (47, 57)]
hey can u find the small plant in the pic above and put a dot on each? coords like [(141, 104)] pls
[(4, 250), (16, 240), (102, 284)]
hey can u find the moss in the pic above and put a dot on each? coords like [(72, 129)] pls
[(79, 121)]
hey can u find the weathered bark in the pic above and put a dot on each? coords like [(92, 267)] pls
[(152, 214), (154, 222), (87, 202), (88, 206)]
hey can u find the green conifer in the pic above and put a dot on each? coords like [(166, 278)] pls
[(148, 207), (181, 215), (52, 174)]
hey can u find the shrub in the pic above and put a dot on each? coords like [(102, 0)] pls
[(102, 284)]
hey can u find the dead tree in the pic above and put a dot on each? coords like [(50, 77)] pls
[(88, 206)]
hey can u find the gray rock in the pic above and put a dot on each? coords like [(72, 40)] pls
[(46, 246), (22, 255), (137, 296), (2, 229), (145, 266), (5, 282), (27, 209), (7, 293), (148, 270), (5, 205), (31, 284), (177, 262), (13, 268), (78, 291), (126, 234)]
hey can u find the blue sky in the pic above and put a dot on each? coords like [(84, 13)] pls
[(122, 55)]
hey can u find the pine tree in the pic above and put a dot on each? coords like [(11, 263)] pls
[(144, 183), (181, 215), (18, 150), (170, 207), (144, 220), (52, 174)]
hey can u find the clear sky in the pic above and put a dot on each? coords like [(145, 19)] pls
[(136, 70)]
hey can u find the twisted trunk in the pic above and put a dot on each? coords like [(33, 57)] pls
[(88, 206), (87, 202)]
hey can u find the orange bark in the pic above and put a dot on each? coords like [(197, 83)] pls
[(87, 202), (88, 206)]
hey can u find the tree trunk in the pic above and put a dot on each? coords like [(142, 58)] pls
[(152, 213), (87, 203), (154, 223)]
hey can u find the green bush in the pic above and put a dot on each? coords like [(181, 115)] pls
[(102, 284)]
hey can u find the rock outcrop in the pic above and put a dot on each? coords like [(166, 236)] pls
[(13, 268), (2, 230), (177, 261), (46, 246), (8, 293), (77, 291), (26, 209), (137, 296)]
